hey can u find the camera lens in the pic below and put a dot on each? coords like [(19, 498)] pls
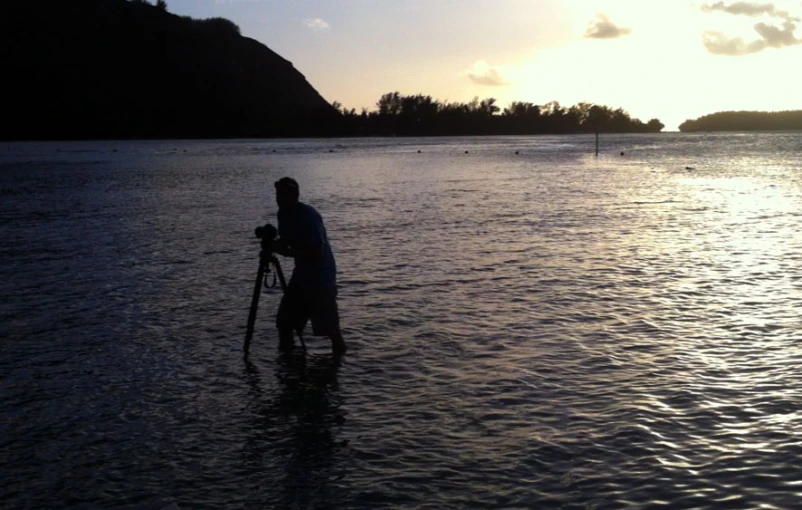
[(266, 232)]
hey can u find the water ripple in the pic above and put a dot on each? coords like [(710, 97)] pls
[(533, 330)]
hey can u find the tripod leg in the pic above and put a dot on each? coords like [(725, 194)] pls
[(257, 289)]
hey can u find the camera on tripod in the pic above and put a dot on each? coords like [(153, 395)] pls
[(267, 234)]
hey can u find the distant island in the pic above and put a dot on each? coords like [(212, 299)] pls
[(106, 69), (745, 121)]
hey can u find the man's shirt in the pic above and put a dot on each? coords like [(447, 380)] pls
[(304, 226)]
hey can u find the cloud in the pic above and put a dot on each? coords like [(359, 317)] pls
[(603, 28), (776, 37), (750, 9), (316, 24), (719, 44), (482, 74), (771, 36)]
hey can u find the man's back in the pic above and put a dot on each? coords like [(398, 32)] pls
[(303, 225)]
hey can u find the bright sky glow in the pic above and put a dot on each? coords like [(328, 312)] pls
[(668, 59)]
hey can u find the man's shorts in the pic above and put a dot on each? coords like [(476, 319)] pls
[(301, 304)]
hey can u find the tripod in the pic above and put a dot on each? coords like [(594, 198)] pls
[(266, 259)]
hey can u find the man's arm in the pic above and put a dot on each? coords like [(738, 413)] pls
[(304, 241), (297, 250)]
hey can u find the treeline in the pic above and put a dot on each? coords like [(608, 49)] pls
[(421, 115), (745, 121), (212, 26)]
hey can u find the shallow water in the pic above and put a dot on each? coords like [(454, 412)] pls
[(544, 329)]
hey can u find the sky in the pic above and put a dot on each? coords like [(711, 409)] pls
[(672, 60)]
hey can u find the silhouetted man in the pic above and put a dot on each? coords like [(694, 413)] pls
[(312, 291)]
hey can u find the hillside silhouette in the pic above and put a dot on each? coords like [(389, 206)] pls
[(745, 121), (129, 69)]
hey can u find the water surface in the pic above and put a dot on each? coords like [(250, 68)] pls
[(544, 329)]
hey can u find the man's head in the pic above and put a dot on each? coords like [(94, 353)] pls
[(287, 193)]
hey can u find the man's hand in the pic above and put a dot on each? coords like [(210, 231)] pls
[(281, 247), (306, 252)]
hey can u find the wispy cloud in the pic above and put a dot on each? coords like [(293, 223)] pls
[(750, 9), (316, 24), (771, 36), (483, 74), (603, 28)]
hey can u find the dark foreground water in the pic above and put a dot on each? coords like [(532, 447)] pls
[(533, 330)]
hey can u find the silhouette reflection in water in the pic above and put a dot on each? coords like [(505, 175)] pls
[(290, 444)]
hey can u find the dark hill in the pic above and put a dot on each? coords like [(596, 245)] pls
[(128, 69), (745, 121)]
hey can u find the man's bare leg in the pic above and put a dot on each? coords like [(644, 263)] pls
[(338, 343), (285, 340)]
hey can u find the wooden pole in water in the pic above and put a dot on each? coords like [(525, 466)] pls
[(597, 143)]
